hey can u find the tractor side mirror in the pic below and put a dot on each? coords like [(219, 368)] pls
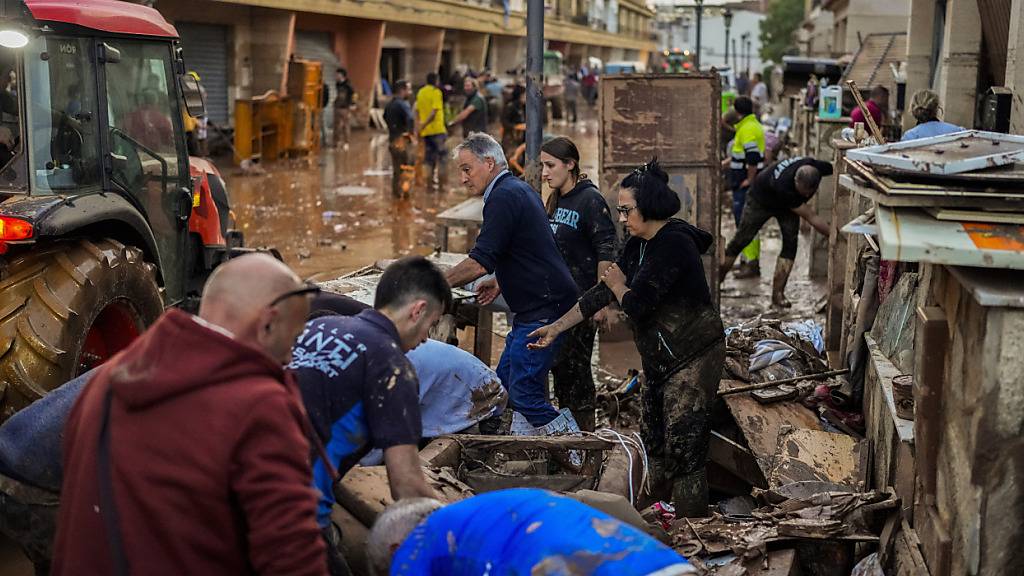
[(192, 94)]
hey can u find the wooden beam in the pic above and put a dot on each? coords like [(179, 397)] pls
[(929, 368), (518, 443), (739, 461), (441, 452)]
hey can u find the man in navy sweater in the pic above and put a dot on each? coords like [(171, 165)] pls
[(515, 244)]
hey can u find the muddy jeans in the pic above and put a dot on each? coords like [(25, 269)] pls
[(401, 166), (677, 414), (755, 216), (342, 125), (574, 381)]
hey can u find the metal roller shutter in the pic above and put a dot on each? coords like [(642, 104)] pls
[(205, 48), (316, 46)]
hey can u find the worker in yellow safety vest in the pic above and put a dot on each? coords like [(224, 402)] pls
[(746, 157)]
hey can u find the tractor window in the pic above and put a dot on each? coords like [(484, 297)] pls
[(142, 105), (10, 119), (60, 86), (147, 145)]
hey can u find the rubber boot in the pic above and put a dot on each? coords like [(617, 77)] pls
[(751, 269), (725, 266), (782, 269), (690, 495)]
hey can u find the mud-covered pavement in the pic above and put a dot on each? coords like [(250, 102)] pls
[(335, 213)]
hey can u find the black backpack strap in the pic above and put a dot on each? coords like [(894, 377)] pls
[(108, 507)]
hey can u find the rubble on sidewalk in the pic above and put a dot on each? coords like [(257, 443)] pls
[(793, 515)]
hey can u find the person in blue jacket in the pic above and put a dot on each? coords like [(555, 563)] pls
[(524, 531), (925, 108)]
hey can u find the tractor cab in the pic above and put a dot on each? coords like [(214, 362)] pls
[(104, 218)]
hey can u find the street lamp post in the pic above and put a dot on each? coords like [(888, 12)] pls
[(735, 57), (534, 89), (744, 45), (747, 52), (727, 17), (700, 16)]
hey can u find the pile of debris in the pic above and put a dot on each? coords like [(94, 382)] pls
[(811, 525)]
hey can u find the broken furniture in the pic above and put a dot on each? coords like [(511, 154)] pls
[(459, 466), (953, 320), (468, 214)]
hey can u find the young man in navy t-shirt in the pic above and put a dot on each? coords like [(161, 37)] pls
[(360, 390)]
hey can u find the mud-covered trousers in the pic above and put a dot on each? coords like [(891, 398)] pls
[(754, 217), (677, 414), (574, 380)]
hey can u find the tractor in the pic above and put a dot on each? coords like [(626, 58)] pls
[(105, 220)]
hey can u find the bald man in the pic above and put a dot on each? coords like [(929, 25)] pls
[(186, 453)]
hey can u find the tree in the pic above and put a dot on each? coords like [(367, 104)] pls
[(784, 17)]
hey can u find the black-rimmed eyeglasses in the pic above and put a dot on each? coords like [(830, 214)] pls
[(308, 288)]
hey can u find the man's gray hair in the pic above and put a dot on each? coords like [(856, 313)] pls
[(392, 527), (482, 146)]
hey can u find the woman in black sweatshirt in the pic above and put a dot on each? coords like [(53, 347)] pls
[(660, 283), (586, 237)]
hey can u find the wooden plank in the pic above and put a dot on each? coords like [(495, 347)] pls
[(482, 482), (483, 335), (760, 423), (907, 553), (975, 216), (736, 459), (441, 452), (936, 545), (467, 212), (837, 254), (519, 443), (930, 368), (817, 455)]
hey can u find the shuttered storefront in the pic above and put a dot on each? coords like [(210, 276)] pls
[(316, 46), (205, 48)]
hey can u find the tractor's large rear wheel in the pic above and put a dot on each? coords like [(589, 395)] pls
[(66, 308)]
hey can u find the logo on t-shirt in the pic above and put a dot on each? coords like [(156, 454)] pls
[(570, 218), (324, 351), (785, 164)]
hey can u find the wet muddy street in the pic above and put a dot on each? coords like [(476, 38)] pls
[(334, 214)]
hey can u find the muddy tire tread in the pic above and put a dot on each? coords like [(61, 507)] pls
[(51, 297)]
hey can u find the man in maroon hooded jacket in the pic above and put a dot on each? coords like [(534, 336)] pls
[(186, 454)]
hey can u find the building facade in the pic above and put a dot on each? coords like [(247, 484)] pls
[(241, 48), (677, 29)]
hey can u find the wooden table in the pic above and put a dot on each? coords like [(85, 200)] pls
[(468, 214), (361, 285)]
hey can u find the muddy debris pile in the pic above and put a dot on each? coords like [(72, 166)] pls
[(813, 527)]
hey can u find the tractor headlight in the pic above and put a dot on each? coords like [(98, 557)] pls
[(13, 39)]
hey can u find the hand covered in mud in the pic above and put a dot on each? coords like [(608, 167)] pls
[(487, 291), (613, 277), (605, 319), (545, 336)]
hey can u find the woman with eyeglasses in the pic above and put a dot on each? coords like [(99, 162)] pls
[(585, 234), (659, 282)]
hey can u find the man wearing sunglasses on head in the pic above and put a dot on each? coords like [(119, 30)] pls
[(362, 392), (187, 453)]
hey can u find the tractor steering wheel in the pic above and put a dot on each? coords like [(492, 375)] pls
[(66, 146)]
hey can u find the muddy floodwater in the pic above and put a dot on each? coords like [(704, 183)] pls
[(335, 213)]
